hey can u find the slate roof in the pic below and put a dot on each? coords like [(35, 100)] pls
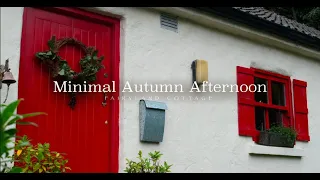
[(280, 20)]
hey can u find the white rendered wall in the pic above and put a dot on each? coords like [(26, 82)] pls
[(11, 26), (200, 136)]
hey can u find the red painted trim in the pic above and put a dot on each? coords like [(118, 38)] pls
[(269, 76), (291, 110), (268, 73), (301, 109), (267, 119), (76, 12), (246, 111), (23, 42), (115, 103), (290, 101), (264, 105), (115, 26), (285, 80), (299, 82), (269, 92), (271, 106)]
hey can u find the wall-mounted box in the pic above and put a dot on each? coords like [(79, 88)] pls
[(152, 120)]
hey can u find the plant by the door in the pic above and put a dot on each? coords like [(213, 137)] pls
[(148, 165), (38, 158), (8, 118), (27, 158), (90, 64)]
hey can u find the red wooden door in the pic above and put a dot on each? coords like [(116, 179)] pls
[(82, 133)]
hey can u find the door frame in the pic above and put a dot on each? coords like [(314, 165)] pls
[(114, 24)]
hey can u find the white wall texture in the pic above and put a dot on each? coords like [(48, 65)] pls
[(10, 49), (200, 135), (11, 26)]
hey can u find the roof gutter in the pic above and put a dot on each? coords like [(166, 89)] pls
[(263, 25), (225, 19)]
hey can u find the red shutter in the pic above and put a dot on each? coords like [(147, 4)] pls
[(301, 110), (288, 117), (246, 110)]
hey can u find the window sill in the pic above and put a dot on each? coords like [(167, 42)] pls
[(275, 151)]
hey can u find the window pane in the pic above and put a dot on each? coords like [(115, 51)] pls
[(275, 117), (260, 118), (261, 85), (277, 94)]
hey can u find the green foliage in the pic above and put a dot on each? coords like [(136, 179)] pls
[(288, 132), (90, 64), (8, 118), (38, 159), (306, 15), (147, 165), (312, 18), (22, 143)]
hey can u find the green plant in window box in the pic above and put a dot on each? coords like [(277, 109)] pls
[(278, 136), (147, 165)]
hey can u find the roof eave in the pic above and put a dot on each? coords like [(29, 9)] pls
[(262, 25)]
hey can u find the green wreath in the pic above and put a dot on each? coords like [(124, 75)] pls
[(90, 64)]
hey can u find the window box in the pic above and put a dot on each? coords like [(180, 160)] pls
[(274, 139)]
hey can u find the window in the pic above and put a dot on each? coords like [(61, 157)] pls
[(271, 101), (277, 101)]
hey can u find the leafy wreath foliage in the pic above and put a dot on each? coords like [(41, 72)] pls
[(90, 64)]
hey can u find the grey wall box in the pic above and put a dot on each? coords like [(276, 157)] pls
[(152, 120)]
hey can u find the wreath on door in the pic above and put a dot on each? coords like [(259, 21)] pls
[(90, 64)]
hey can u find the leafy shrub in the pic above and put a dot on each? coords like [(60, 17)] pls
[(147, 165), (288, 132), (7, 118), (38, 158), (8, 133)]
